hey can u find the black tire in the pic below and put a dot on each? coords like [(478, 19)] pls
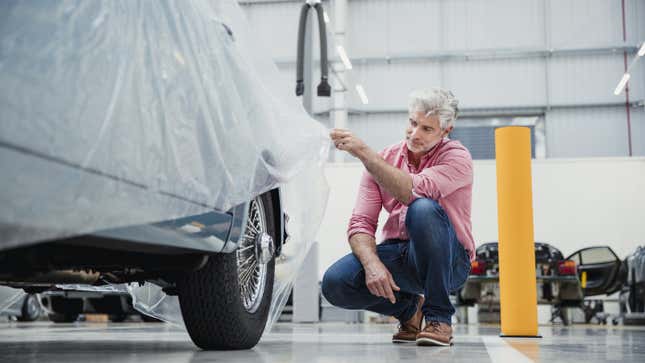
[(31, 309), (150, 319), (118, 318), (211, 303), (64, 310), (63, 318)]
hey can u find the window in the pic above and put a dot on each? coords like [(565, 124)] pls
[(478, 134)]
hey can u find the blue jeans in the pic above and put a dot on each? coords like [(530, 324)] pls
[(432, 263)]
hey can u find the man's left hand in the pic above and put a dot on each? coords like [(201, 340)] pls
[(346, 141)]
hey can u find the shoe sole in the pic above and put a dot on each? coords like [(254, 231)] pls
[(402, 341), (427, 342)]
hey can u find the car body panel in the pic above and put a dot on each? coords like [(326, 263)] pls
[(206, 232)]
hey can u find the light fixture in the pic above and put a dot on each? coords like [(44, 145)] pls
[(641, 52), (361, 93), (326, 17), (343, 57), (622, 84)]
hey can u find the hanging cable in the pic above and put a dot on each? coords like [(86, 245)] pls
[(324, 89)]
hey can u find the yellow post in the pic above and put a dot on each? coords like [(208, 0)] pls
[(517, 284)]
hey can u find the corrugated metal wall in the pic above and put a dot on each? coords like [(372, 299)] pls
[(593, 131), (561, 59)]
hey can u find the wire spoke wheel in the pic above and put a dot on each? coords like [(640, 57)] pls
[(252, 275)]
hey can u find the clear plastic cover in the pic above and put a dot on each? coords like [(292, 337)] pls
[(127, 113), (8, 296)]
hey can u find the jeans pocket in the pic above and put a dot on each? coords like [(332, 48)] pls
[(403, 250)]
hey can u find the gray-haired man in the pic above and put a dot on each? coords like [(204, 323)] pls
[(425, 183)]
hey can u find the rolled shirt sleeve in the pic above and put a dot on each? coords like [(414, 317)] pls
[(367, 208), (452, 172)]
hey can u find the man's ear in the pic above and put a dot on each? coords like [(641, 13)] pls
[(448, 130)]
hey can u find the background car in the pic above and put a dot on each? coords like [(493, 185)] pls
[(65, 306), (561, 282), (27, 308), (632, 294)]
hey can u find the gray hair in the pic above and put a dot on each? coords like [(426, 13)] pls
[(435, 101)]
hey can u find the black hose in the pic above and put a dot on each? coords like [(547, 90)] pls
[(300, 67), (324, 90)]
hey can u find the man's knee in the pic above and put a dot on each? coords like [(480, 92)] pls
[(423, 211), (424, 220), (331, 286)]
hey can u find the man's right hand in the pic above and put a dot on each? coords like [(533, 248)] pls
[(379, 281)]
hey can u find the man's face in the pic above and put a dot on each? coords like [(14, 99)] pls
[(423, 132)]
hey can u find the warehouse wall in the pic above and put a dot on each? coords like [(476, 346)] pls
[(559, 60), (577, 203)]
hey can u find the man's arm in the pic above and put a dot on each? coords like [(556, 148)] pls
[(378, 278), (364, 248), (361, 230), (395, 181)]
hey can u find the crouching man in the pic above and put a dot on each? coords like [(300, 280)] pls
[(425, 184)]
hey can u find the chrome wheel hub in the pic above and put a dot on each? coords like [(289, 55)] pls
[(264, 248)]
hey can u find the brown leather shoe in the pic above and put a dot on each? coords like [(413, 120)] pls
[(435, 333), (408, 331)]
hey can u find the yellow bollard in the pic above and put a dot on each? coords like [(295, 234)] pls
[(517, 284)]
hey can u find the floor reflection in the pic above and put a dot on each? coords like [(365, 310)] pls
[(309, 343)]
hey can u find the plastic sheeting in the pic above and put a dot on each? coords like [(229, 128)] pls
[(121, 113), (118, 113), (8, 296)]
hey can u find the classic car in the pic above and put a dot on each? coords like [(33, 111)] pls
[(140, 143)]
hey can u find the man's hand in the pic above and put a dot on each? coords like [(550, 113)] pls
[(346, 141), (378, 279), (380, 282)]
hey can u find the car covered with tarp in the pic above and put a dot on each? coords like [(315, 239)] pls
[(152, 148)]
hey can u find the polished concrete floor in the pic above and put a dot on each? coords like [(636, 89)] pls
[(311, 343)]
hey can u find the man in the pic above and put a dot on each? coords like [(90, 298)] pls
[(425, 183)]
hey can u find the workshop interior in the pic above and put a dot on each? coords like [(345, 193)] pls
[(216, 180)]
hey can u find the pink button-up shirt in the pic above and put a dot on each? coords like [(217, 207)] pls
[(445, 174)]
